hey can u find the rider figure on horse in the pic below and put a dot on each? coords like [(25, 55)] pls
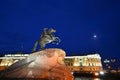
[(44, 32), (46, 37), (49, 32)]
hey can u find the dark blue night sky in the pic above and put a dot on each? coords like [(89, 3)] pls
[(83, 25)]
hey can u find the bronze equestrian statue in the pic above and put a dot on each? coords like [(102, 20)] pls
[(46, 37)]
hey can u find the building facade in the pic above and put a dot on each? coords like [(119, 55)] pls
[(9, 59), (87, 63)]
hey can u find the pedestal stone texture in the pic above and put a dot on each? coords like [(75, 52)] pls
[(42, 65)]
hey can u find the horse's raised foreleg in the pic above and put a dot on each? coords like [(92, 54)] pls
[(57, 39)]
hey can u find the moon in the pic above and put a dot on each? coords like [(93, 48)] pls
[(94, 36)]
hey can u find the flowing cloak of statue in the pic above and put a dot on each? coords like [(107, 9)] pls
[(46, 64)]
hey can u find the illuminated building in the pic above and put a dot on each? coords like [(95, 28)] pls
[(87, 63), (9, 59)]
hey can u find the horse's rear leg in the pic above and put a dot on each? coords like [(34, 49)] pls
[(42, 46)]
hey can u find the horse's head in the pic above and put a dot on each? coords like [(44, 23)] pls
[(51, 30)]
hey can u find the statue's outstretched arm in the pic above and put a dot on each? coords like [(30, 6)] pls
[(44, 32)]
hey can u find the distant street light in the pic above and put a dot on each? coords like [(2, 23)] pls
[(101, 72), (96, 74)]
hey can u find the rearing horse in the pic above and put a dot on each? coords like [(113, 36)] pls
[(46, 37)]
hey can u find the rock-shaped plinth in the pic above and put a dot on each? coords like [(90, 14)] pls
[(45, 64)]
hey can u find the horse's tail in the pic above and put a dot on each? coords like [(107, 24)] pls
[(35, 46)]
